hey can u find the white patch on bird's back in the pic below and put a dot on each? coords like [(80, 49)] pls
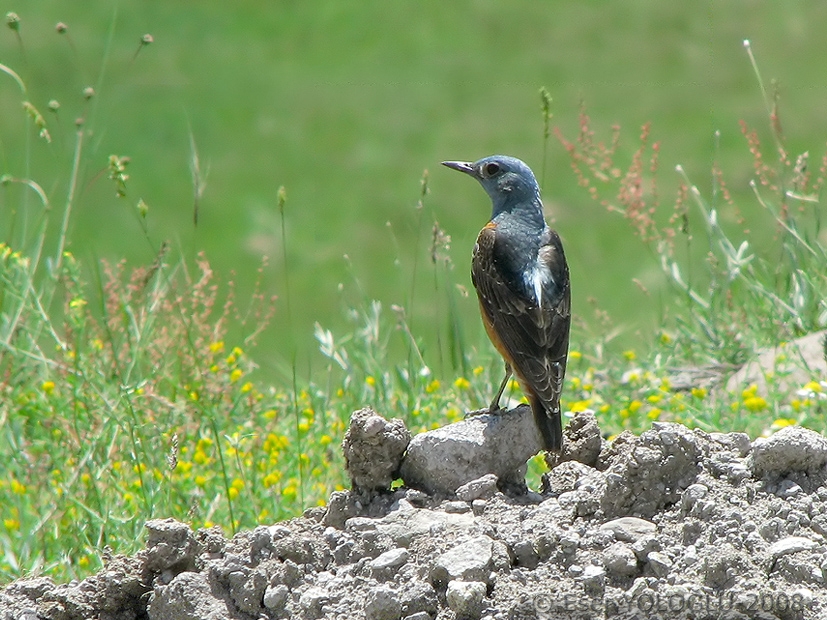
[(538, 278)]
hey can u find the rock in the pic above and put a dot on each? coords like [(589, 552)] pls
[(659, 563), (567, 477), (382, 604), (581, 488), (247, 590), (792, 449), (188, 596), (582, 441), (405, 526), (302, 549), (457, 507), (592, 577), (171, 546), (791, 364), (525, 555), (644, 475), (620, 560), (481, 488), (629, 529), (419, 598), (341, 506), (645, 545), (390, 559), (276, 596), (465, 598), (312, 600), (693, 497), (724, 566), (373, 449), (442, 460), (790, 544), (469, 561)]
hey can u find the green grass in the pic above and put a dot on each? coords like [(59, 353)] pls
[(141, 378), (345, 107)]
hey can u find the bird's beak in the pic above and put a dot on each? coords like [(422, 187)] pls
[(462, 166)]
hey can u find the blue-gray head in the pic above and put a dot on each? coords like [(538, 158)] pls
[(508, 181)]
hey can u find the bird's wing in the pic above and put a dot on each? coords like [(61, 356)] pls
[(535, 337)]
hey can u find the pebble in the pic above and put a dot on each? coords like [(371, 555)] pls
[(629, 529), (465, 598)]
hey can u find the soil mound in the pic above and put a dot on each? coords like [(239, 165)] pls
[(674, 523)]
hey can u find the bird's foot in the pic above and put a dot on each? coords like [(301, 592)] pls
[(486, 411)]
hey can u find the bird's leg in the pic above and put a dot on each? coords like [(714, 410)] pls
[(495, 404)]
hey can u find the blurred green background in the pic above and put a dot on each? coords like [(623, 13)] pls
[(346, 104)]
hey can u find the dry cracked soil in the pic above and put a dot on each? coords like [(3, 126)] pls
[(675, 523)]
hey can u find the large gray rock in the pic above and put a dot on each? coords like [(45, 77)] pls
[(442, 460), (792, 449), (373, 448)]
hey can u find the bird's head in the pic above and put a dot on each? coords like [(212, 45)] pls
[(508, 181)]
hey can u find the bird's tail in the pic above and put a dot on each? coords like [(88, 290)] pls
[(549, 422)]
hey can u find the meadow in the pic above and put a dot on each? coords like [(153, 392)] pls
[(154, 363)]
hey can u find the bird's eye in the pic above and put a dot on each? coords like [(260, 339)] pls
[(491, 169)]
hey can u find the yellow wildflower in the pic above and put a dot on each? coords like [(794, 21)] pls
[(755, 403), (749, 392), (782, 422), (813, 386), (271, 479), (580, 405)]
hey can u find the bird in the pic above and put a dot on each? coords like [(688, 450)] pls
[(520, 273)]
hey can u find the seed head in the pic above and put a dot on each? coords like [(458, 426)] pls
[(13, 21)]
